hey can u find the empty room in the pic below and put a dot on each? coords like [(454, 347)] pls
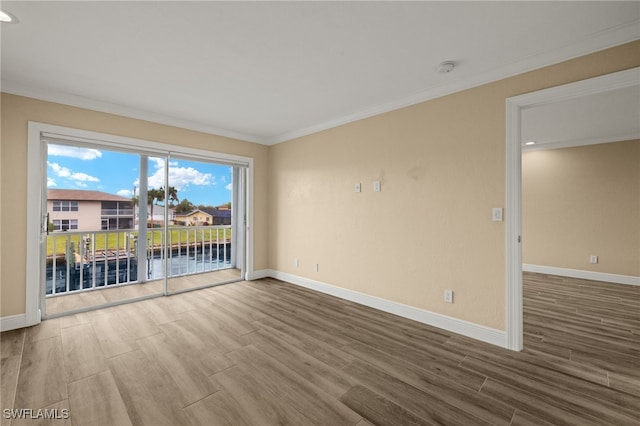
[(320, 213)]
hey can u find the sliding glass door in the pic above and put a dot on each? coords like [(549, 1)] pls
[(200, 214), (93, 249), (123, 224)]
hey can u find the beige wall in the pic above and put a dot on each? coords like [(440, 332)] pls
[(442, 167), (17, 111), (583, 201)]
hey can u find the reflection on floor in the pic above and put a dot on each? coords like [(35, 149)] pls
[(95, 298)]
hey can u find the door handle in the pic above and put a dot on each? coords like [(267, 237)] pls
[(46, 224)]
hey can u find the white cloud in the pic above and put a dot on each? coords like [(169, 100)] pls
[(81, 184), (73, 152), (51, 182), (59, 170), (83, 177), (157, 179), (65, 172), (125, 193), (179, 177), (229, 187), (159, 162)]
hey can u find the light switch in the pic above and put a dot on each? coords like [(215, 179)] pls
[(376, 186), (448, 296), (497, 214), (358, 187)]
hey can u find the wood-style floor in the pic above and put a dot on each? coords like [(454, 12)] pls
[(266, 352)]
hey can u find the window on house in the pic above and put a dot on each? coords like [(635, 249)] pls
[(65, 224), (65, 206)]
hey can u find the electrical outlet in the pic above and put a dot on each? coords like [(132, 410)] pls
[(448, 296), (317, 267), (296, 262), (593, 259), (358, 187)]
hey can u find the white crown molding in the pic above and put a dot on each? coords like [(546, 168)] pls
[(109, 108), (609, 38), (581, 142), (585, 275), (466, 328), (605, 39)]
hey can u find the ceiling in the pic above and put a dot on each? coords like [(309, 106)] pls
[(271, 71), (611, 116)]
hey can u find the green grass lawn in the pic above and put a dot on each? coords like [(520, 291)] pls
[(118, 240)]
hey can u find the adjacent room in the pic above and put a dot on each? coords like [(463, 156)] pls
[(320, 213)]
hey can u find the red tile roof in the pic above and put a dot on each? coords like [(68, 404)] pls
[(82, 195)]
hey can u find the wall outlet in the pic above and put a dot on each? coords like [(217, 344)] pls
[(448, 296), (377, 186), (296, 262), (358, 187), (593, 259), (317, 267)]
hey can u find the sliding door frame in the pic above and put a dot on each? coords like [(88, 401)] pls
[(36, 193)]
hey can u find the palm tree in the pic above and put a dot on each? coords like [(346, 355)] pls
[(173, 194), (155, 195)]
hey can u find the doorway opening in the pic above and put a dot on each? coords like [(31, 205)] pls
[(514, 107)]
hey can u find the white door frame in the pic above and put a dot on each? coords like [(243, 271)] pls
[(36, 183), (514, 107)]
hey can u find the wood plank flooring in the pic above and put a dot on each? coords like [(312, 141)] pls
[(267, 352)]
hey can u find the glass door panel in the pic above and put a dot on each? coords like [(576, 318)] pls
[(199, 213), (95, 254), (154, 212)]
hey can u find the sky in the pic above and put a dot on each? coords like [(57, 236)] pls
[(118, 173)]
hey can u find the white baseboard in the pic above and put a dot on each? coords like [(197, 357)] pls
[(12, 322), (469, 329), (585, 275), (256, 275)]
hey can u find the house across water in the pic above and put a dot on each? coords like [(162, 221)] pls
[(80, 210), (206, 217)]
